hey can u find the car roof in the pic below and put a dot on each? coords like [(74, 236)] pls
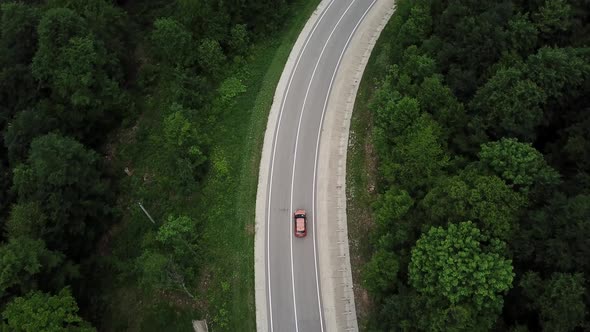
[(300, 223)]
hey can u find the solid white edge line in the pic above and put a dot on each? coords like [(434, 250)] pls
[(272, 169), (295, 162), (317, 152)]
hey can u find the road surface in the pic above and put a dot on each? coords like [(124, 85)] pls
[(293, 298)]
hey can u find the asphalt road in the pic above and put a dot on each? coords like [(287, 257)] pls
[(292, 271)]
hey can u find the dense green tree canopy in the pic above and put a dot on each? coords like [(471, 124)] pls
[(486, 200), (519, 164), (553, 16), (380, 273), (479, 112), (65, 178), (418, 156), (210, 57), (558, 235), (18, 42), (458, 266), (21, 259), (509, 104), (39, 311), (26, 220), (119, 78), (173, 44), (23, 128), (79, 73), (559, 299)]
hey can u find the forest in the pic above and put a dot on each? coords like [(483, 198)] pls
[(481, 133), (87, 87)]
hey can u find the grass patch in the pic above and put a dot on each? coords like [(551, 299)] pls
[(223, 204), (361, 173)]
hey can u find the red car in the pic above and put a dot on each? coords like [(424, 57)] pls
[(300, 223)]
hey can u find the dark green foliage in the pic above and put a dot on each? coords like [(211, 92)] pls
[(26, 220), (486, 200), (107, 22), (522, 34), (557, 237), (472, 37), (170, 257), (553, 17), (39, 311), (239, 40), (461, 277), (21, 131), (509, 104), (184, 147), (482, 116), (75, 76), (5, 194), (18, 37), (21, 260), (80, 74), (576, 145), (210, 57), (520, 165), (65, 178), (173, 44), (380, 273), (560, 299), (18, 42)]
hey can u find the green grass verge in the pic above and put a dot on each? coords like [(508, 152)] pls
[(224, 204), (361, 173)]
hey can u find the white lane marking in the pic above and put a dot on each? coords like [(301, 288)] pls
[(317, 148), (273, 162), (295, 162)]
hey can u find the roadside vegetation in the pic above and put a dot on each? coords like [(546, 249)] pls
[(104, 106), (469, 165)]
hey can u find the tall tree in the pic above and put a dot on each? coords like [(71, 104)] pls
[(72, 64), (519, 164), (560, 300), (23, 128), (557, 236), (172, 43), (485, 200), (509, 104), (21, 259), (26, 220), (553, 17), (39, 311), (66, 180), (18, 42), (461, 275)]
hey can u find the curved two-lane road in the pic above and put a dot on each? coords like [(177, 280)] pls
[(292, 273)]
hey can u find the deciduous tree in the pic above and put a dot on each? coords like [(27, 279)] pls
[(39, 311), (486, 200), (21, 259), (172, 43), (461, 272), (519, 164), (26, 220), (65, 178), (560, 300), (380, 273)]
